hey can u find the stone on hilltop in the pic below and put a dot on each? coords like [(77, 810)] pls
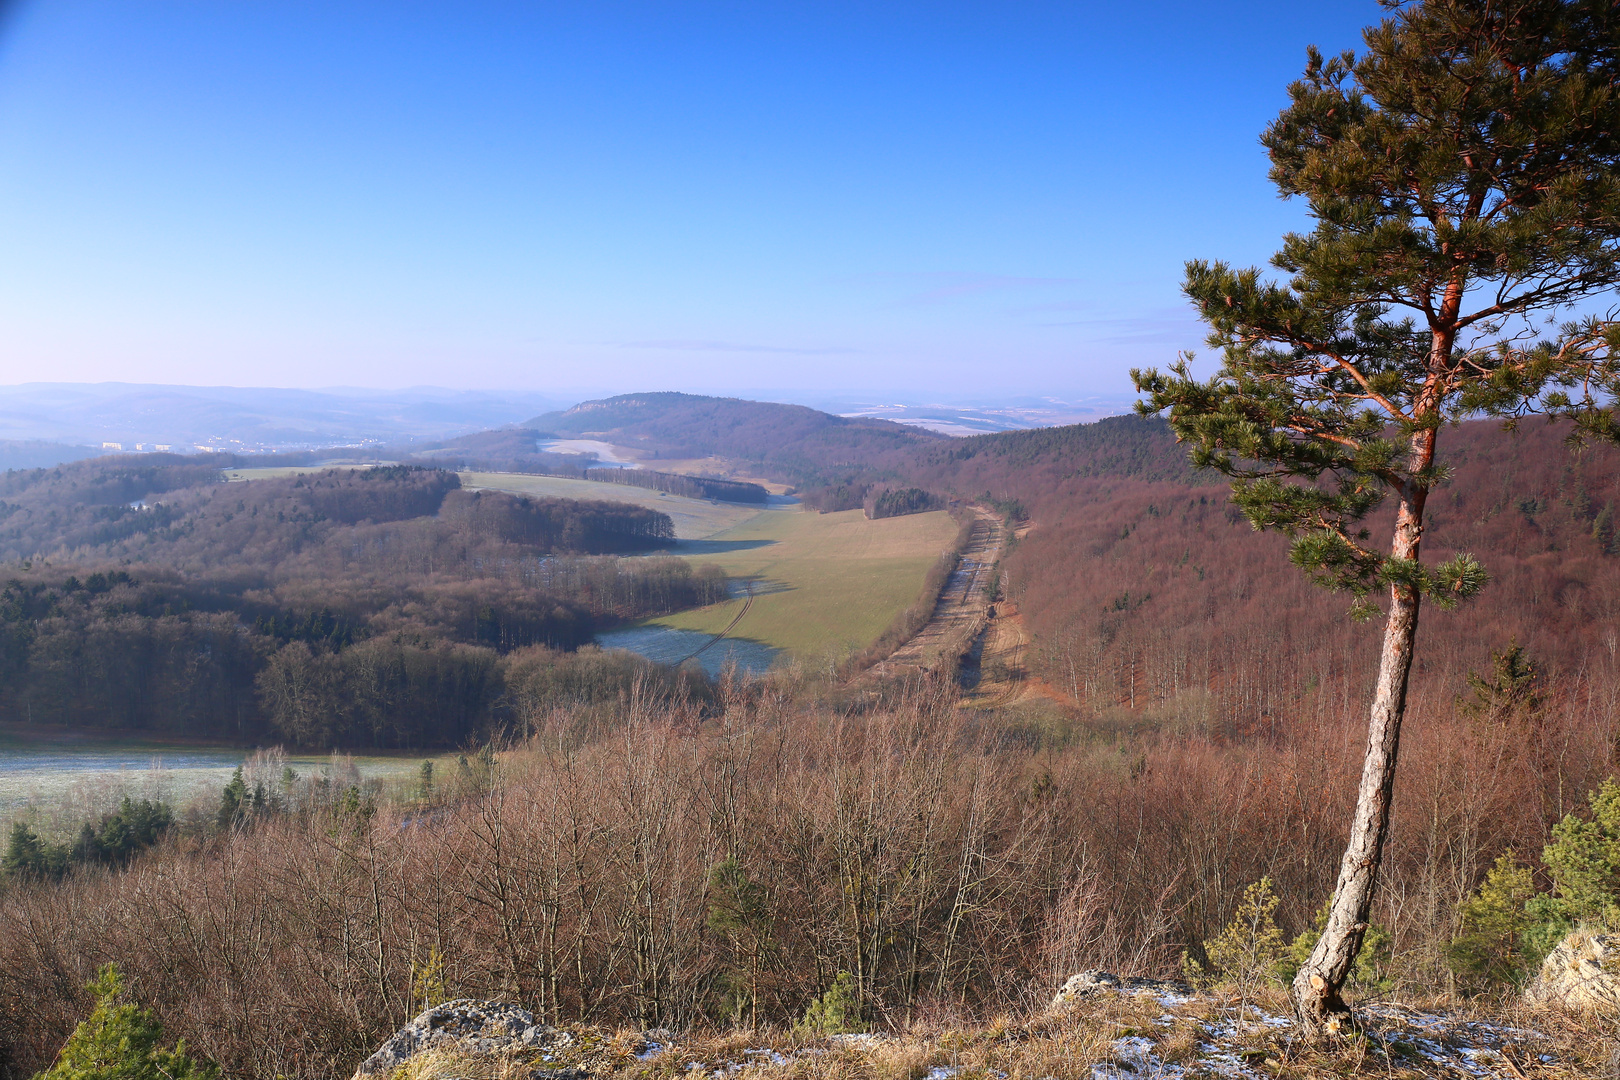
[(1091, 983), (483, 1028)]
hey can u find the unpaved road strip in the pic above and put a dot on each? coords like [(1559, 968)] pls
[(962, 604)]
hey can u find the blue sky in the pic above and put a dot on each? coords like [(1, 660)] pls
[(980, 199)]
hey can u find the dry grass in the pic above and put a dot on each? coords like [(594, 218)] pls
[(1140, 1036)]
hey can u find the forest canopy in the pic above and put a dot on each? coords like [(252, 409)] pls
[(148, 595)]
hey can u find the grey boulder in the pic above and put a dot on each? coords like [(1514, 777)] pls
[(1091, 983), (484, 1028)]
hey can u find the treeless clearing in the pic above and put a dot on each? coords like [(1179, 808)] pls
[(694, 518), (825, 584), (960, 611)]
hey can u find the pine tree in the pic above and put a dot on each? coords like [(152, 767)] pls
[(120, 1041), (1247, 952), (1489, 948), (1512, 692), (1461, 174), (233, 801), (739, 912), (1603, 529), (1583, 860), (27, 856)]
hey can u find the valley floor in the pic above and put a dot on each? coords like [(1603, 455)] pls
[(824, 585)]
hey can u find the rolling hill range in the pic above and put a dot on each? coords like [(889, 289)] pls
[(693, 425), (1140, 585), (828, 456)]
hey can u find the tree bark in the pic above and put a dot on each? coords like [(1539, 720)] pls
[(1318, 997)]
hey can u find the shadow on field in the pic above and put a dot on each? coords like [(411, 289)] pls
[(760, 586), (715, 547)]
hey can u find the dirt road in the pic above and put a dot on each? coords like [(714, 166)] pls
[(962, 605)]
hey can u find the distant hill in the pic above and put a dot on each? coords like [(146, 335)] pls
[(675, 425), (39, 454), (837, 461), (250, 418)]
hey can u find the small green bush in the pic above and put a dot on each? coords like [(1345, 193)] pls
[(1490, 948), (1246, 953), (837, 1011), (119, 1041)]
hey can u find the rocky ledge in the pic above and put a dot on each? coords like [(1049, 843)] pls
[(1100, 1026), (484, 1029)]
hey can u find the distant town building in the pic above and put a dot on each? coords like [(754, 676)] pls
[(162, 447), (112, 446)]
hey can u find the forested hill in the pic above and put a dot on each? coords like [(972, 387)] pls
[(380, 606), (837, 461), (1042, 470), (784, 437)]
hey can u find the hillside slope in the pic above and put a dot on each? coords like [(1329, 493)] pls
[(791, 443)]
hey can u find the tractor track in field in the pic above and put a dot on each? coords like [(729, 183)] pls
[(730, 626)]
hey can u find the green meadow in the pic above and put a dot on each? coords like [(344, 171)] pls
[(693, 518), (825, 584)]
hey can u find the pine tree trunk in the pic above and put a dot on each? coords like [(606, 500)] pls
[(1317, 987)]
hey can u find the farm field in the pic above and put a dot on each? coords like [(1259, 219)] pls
[(694, 519), (825, 584), (58, 779)]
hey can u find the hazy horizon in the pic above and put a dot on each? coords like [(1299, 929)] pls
[(145, 416)]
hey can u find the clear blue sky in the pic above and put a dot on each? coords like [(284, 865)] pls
[(937, 197)]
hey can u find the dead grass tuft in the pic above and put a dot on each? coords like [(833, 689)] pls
[(1123, 1035)]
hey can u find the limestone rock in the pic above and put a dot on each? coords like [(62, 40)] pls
[(484, 1028), (1090, 983), (1583, 972)]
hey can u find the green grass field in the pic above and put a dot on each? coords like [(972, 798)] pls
[(827, 584), (694, 518)]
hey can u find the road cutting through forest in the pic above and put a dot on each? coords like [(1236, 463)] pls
[(964, 603)]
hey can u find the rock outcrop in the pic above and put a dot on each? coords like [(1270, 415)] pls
[(1583, 972), (483, 1028), (1090, 983)]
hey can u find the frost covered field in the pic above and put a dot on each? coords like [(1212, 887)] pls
[(59, 780)]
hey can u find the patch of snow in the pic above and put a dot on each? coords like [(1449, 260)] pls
[(1133, 1056), (855, 1038)]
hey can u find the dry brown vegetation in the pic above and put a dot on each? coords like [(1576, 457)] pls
[(658, 863), (663, 853)]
